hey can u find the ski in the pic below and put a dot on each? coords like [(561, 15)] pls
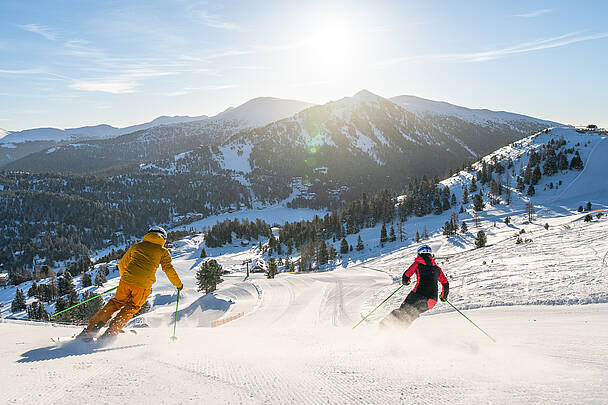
[(62, 339)]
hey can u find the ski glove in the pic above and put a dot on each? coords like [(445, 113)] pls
[(444, 298), (405, 280)]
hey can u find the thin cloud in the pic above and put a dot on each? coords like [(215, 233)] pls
[(125, 83), (221, 87), (21, 71), (40, 72), (536, 13), (178, 93), (104, 86), (525, 47), (216, 21), (40, 30)]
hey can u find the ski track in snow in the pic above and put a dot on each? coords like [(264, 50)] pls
[(543, 354)]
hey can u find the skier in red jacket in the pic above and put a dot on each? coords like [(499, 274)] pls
[(424, 294)]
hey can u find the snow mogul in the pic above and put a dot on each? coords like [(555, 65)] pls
[(424, 294), (137, 270)]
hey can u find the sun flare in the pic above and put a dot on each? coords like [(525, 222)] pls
[(332, 46)]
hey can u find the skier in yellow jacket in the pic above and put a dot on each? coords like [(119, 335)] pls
[(137, 275)]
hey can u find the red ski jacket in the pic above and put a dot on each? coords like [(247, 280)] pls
[(427, 276)]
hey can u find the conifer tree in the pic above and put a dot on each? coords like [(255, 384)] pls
[(464, 228), (417, 236), (323, 253), (65, 285), (465, 195), (37, 311), (32, 291), (86, 280), (478, 203), (383, 237), (271, 268), (550, 167), (536, 175), (360, 245), (208, 276), (392, 235), (100, 278), (481, 239), (203, 253), (473, 186), (343, 246), (576, 163), (18, 303), (331, 250)]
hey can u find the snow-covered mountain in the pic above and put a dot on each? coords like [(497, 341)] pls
[(158, 141), (423, 107), (349, 146), (101, 131), (262, 111)]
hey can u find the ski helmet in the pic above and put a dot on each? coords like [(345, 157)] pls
[(425, 249), (159, 231)]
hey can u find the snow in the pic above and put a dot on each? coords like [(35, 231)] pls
[(545, 301), (479, 116), (101, 131), (262, 111), (236, 158), (591, 182), (273, 214)]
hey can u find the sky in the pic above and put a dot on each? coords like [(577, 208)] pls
[(67, 64)]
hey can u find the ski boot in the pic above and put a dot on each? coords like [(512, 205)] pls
[(88, 335), (108, 336)]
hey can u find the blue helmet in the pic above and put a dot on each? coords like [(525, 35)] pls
[(159, 231), (425, 249)]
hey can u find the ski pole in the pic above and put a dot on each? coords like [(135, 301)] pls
[(173, 338), (467, 318), (74, 306), (379, 305)]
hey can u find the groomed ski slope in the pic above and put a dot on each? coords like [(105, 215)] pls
[(295, 343), (544, 354)]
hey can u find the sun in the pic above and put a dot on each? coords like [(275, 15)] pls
[(332, 46)]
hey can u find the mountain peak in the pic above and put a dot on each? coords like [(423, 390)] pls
[(263, 110), (366, 95)]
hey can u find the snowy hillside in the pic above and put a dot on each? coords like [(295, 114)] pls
[(549, 353)]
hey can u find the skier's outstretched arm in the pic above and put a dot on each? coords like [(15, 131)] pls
[(405, 279), (167, 266), (445, 285)]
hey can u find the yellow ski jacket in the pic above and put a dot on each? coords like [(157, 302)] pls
[(138, 266)]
